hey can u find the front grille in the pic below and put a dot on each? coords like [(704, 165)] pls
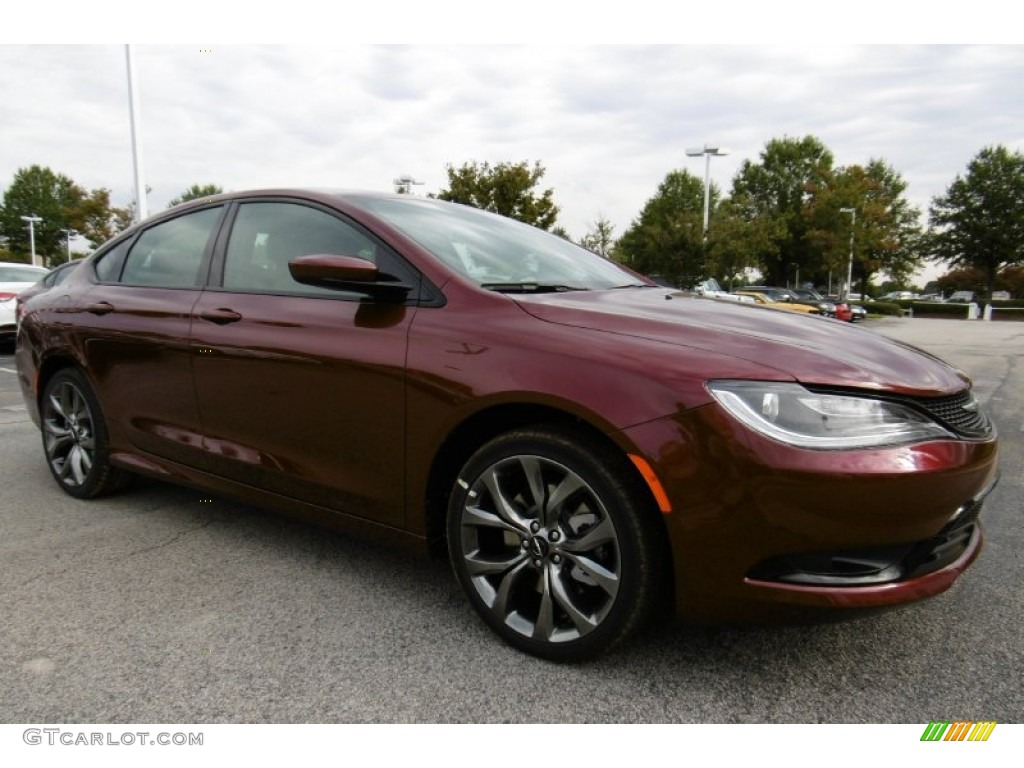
[(959, 412)]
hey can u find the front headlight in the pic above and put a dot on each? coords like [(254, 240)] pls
[(793, 415)]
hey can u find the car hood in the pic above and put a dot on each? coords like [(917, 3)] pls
[(811, 350)]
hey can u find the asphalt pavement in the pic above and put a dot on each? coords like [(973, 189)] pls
[(167, 605)]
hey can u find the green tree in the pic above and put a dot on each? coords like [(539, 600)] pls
[(887, 235), (979, 221), (964, 279), (734, 240), (1012, 279), (39, 191), (776, 190), (196, 192), (62, 205), (667, 238), (506, 188), (599, 238), (93, 217)]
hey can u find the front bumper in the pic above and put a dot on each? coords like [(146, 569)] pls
[(757, 526)]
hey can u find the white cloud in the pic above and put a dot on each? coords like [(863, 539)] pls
[(608, 122)]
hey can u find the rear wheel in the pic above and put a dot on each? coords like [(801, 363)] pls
[(554, 544), (75, 438)]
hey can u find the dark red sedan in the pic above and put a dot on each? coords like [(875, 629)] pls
[(579, 441)]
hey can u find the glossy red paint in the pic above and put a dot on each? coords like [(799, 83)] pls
[(359, 412)]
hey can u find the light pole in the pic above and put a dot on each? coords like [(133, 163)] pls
[(708, 151), (403, 184), (68, 234), (849, 267), (32, 221), (141, 210)]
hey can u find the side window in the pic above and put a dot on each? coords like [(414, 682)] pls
[(108, 266), (169, 254), (266, 236)]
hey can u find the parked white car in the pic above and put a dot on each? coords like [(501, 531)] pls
[(14, 278)]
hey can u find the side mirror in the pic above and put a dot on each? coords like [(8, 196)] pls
[(345, 273)]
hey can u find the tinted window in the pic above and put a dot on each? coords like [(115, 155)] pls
[(108, 266), (169, 254), (491, 249), (265, 236), (62, 273)]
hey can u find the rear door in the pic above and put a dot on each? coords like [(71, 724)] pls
[(134, 325)]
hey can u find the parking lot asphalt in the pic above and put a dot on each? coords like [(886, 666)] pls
[(167, 605)]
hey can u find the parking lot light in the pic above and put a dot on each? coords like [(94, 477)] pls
[(708, 151), (32, 221)]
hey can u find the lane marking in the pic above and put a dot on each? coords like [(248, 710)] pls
[(8, 370)]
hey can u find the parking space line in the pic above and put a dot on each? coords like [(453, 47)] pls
[(8, 370)]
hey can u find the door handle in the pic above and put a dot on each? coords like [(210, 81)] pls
[(100, 308), (220, 316)]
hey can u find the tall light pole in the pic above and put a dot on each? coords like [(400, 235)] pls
[(849, 267), (141, 211), (68, 234), (708, 151), (32, 221)]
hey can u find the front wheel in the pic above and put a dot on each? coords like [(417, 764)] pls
[(75, 438), (554, 543)]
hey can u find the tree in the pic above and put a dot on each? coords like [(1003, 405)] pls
[(733, 241), (979, 222), (887, 234), (42, 192), (1012, 279), (667, 238), (965, 279), (506, 188), (196, 192), (93, 217), (776, 190), (599, 238), (62, 205)]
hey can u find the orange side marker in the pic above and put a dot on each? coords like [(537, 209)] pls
[(653, 483)]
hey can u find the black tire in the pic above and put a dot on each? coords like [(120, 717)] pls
[(75, 439), (567, 577)]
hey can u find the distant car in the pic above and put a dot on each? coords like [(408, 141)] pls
[(898, 296), (765, 300), (963, 296), (711, 289), (14, 278), (857, 313), (774, 293), (585, 447), (815, 299)]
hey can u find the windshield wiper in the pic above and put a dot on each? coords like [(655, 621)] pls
[(632, 285), (531, 287)]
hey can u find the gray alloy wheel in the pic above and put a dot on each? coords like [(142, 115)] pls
[(75, 437), (550, 545)]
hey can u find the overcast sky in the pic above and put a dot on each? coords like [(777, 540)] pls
[(607, 122)]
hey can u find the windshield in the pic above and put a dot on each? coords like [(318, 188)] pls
[(497, 252)]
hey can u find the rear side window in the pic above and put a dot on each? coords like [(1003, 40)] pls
[(169, 254), (108, 266)]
